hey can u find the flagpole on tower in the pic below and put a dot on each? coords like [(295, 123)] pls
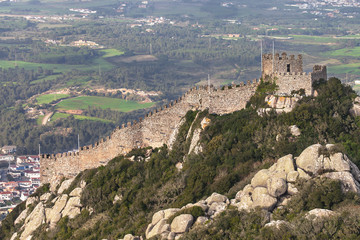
[(78, 143), (273, 56), (261, 47)]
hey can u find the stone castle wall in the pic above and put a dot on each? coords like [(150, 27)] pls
[(288, 82), (154, 130), (280, 64)]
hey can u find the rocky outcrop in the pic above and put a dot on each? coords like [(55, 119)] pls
[(194, 141), (294, 130), (160, 225), (62, 205), (131, 237), (72, 208), (260, 178), (274, 186), (33, 221), (261, 198), (181, 223), (348, 182), (53, 215), (195, 144), (65, 185), (268, 189), (355, 110), (279, 103), (21, 217), (317, 213), (276, 224)]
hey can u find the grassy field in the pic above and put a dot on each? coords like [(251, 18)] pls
[(345, 52), (48, 98), (59, 68), (59, 115), (357, 36), (47, 78), (319, 39), (52, 25), (84, 102), (353, 68), (78, 81), (111, 52), (39, 120)]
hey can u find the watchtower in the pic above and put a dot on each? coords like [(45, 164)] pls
[(281, 64)]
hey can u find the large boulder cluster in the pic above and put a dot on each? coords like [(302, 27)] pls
[(49, 208), (160, 224), (273, 187), (268, 189)]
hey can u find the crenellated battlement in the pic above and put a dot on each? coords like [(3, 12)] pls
[(287, 72), (160, 124), (283, 56), (292, 74), (154, 130), (319, 68)]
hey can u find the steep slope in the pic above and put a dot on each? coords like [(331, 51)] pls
[(211, 154)]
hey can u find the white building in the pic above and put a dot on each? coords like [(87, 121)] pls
[(5, 196)]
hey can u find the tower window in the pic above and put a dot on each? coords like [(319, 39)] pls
[(288, 68)]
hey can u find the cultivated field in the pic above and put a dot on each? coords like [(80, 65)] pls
[(345, 52), (59, 115), (353, 68), (84, 102), (111, 52), (59, 68), (48, 98)]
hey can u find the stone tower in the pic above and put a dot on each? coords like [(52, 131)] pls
[(287, 72), (281, 64)]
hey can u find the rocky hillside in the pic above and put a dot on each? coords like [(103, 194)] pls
[(244, 175)]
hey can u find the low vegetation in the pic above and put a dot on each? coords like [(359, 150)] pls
[(48, 98), (84, 102), (234, 146)]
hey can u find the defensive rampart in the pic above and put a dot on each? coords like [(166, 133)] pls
[(288, 82), (154, 130), (282, 64)]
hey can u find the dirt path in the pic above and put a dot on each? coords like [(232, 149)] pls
[(46, 118)]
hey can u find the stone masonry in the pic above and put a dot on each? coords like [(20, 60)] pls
[(154, 130), (288, 73), (158, 127)]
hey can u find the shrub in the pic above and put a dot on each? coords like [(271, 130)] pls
[(195, 211)]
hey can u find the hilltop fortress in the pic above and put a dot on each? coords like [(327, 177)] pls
[(288, 73), (160, 126)]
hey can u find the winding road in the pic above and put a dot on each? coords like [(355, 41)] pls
[(46, 118)]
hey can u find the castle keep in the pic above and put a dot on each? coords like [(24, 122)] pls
[(287, 71), (159, 127)]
